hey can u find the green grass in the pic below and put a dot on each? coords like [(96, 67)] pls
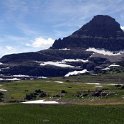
[(100, 78), (87, 110), (61, 114), (16, 91)]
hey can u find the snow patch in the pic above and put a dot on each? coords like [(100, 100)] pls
[(114, 65), (1, 63), (13, 79), (93, 83), (3, 90), (76, 73), (21, 76), (58, 64), (104, 52), (64, 49), (1, 79), (5, 68), (60, 82), (75, 60), (40, 102), (105, 69), (10, 79), (42, 77)]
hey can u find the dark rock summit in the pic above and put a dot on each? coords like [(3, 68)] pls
[(101, 32)]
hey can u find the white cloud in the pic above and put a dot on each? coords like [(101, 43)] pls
[(18, 44), (7, 50), (122, 27), (10, 48), (41, 43)]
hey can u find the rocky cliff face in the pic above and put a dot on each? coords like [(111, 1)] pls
[(101, 32)]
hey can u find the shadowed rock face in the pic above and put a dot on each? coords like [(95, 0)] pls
[(29, 63), (101, 32)]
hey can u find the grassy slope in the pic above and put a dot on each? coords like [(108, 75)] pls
[(100, 78), (18, 90), (61, 114)]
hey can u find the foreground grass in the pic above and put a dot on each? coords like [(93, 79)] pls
[(61, 114)]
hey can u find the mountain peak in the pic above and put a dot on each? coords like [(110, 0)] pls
[(105, 20), (103, 17), (100, 26), (102, 31)]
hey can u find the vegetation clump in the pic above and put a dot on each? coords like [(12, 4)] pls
[(1, 97), (95, 93), (36, 94)]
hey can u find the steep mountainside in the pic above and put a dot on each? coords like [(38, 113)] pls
[(101, 32)]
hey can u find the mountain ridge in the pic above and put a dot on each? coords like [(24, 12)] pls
[(101, 32)]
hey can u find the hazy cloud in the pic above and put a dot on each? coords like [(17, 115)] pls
[(41, 43), (7, 50)]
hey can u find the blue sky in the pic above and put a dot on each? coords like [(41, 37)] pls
[(32, 25)]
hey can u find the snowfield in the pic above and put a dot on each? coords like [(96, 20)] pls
[(59, 64), (60, 82), (105, 69), (63, 63), (13, 79), (3, 90), (114, 65), (64, 49), (75, 60), (1, 63), (10, 79), (109, 67), (1, 79), (104, 52), (42, 77), (21, 76), (76, 73), (40, 102), (93, 83)]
